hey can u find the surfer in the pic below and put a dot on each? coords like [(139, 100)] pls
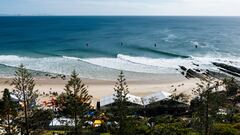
[(86, 44), (196, 46), (155, 45), (121, 43)]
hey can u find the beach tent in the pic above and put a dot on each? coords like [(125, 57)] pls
[(14, 98), (97, 123), (58, 122), (156, 97), (107, 100)]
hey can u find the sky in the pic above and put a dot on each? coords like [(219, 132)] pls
[(121, 7)]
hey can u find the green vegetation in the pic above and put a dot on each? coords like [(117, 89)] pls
[(75, 101), (24, 90), (121, 110), (8, 112), (214, 110), (51, 132)]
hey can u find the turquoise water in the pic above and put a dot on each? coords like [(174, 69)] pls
[(98, 47)]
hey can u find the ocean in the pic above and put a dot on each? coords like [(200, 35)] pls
[(100, 46)]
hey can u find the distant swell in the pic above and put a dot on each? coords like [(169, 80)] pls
[(161, 52), (87, 52)]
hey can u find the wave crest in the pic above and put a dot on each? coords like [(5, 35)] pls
[(86, 66)]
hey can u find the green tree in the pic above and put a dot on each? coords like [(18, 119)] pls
[(40, 119), (121, 111), (208, 101), (24, 89), (232, 88), (233, 97), (75, 101), (178, 99), (8, 112)]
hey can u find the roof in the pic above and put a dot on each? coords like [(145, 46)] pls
[(107, 100), (155, 97), (110, 99)]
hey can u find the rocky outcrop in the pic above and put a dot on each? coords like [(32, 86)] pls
[(190, 73), (225, 71), (228, 68)]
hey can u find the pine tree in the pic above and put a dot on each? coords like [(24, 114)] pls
[(8, 111), (24, 89), (76, 101), (207, 103), (233, 97), (179, 98), (121, 91)]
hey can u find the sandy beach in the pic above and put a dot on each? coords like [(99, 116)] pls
[(101, 88)]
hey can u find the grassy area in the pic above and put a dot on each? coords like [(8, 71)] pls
[(50, 132), (105, 134)]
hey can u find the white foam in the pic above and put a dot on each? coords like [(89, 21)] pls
[(88, 67), (195, 43), (121, 64), (157, 62), (170, 37), (72, 58), (158, 65)]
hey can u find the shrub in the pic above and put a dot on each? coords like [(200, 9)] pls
[(142, 129), (224, 129), (237, 126), (236, 118), (173, 129)]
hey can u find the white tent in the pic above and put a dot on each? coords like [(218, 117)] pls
[(156, 97), (107, 100), (14, 98), (61, 122)]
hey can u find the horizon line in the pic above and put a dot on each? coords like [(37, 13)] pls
[(42, 15)]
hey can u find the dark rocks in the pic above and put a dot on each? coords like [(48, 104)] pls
[(228, 71), (195, 64), (227, 67), (193, 74), (55, 76), (197, 70), (183, 68)]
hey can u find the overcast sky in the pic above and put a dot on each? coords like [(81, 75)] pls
[(121, 7)]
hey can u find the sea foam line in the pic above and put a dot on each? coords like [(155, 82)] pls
[(66, 64)]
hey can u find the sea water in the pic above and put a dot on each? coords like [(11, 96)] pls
[(100, 46)]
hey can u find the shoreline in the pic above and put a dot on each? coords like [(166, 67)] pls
[(101, 88)]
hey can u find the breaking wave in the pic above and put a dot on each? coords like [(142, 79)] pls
[(88, 67)]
